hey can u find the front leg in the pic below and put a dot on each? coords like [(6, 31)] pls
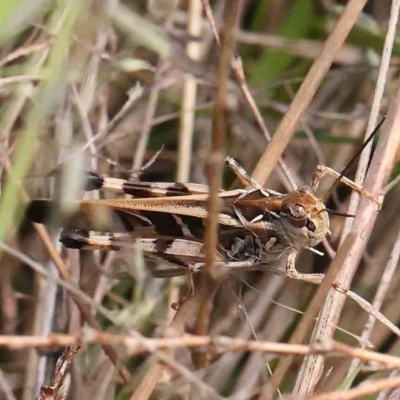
[(291, 271)]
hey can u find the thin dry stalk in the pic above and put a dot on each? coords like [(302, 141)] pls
[(296, 311), (187, 115), (391, 185), (189, 92), (90, 83), (384, 155), (348, 54), (134, 94), (383, 287), (218, 345), (364, 389), (23, 51), (86, 126), (307, 91), (307, 319), (211, 20), (211, 277), (141, 148), (19, 79)]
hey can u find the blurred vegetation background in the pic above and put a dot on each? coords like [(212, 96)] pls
[(103, 86)]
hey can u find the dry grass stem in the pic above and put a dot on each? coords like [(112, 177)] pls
[(189, 94), (211, 276), (381, 292), (187, 114), (146, 128), (365, 389), (217, 345), (305, 94), (347, 54)]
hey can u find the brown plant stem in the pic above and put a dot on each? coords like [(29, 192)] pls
[(218, 344), (364, 389), (211, 277)]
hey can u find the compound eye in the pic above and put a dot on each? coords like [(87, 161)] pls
[(305, 189), (311, 226), (297, 215)]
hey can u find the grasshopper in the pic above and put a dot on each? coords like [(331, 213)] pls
[(258, 228)]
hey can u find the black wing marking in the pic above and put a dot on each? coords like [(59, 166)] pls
[(143, 189)]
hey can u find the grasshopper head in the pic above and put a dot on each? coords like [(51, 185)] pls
[(303, 218)]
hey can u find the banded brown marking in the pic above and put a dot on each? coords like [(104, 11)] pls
[(143, 189)]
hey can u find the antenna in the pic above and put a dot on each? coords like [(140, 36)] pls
[(329, 211), (354, 158)]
